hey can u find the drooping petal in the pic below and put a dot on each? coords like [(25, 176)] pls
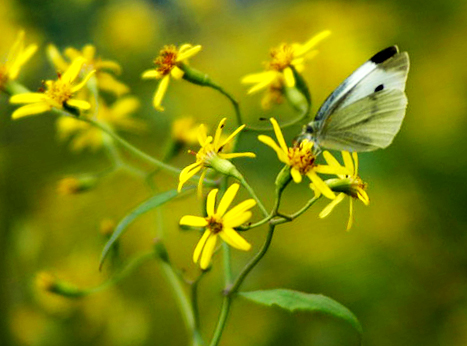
[(159, 95), (211, 202), (327, 210), (239, 220), (270, 142), (296, 175), (234, 239), (79, 86), (321, 185), (151, 74), (177, 73), (187, 173), (227, 199), (350, 221), (303, 49), (208, 250), (28, 98), (233, 213), (195, 221), (188, 53), (289, 77), (81, 104), (200, 245), (35, 108), (73, 71), (363, 196), (279, 136)]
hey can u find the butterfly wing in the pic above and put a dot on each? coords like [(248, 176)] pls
[(368, 92)]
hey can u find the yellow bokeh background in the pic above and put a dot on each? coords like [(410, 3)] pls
[(401, 269)]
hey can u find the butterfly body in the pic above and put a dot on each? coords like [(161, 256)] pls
[(364, 112)]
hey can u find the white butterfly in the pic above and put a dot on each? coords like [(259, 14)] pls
[(365, 112)]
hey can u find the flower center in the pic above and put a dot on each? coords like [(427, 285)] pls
[(301, 157), (59, 91), (3, 75), (281, 57), (356, 186), (166, 60), (214, 225)]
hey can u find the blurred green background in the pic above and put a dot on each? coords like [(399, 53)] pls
[(402, 269)]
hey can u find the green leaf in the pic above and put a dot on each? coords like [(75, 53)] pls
[(294, 300), (144, 207)]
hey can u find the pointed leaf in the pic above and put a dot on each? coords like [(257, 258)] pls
[(144, 207), (299, 301)]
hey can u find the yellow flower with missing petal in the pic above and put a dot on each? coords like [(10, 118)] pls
[(210, 153), (220, 223), (59, 93), (283, 58), (116, 117), (301, 159), (167, 65), (105, 80), (349, 184), (17, 57)]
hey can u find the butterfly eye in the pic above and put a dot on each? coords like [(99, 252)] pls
[(379, 88)]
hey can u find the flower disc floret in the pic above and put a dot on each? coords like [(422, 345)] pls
[(220, 222)]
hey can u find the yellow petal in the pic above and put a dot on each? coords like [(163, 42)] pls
[(187, 173), (239, 220), (84, 105), (24, 56), (125, 106), (312, 43), (255, 78), (328, 209), (195, 221), (363, 196), (56, 58), (89, 52), (177, 73), (289, 77), (227, 199), (73, 71), (200, 246), (202, 135), (235, 155), (234, 239), (28, 98), (355, 160), (338, 170), (16, 49), (232, 135), (188, 53), (79, 86), (151, 74), (108, 83), (270, 142), (162, 88), (218, 133), (200, 184), (233, 213), (208, 250), (73, 53), (268, 80), (31, 109), (211, 202), (109, 65), (184, 47), (321, 185), (296, 175), (350, 221), (331, 160), (279, 136), (348, 162)]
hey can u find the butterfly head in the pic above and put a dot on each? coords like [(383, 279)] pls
[(308, 133)]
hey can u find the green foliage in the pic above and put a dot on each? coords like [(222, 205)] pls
[(299, 301)]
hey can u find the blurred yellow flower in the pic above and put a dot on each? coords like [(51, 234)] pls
[(59, 93), (350, 184), (278, 69), (301, 160), (185, 130), (105, 81), (221, 223), (17, 57), (168, 64), (211, 149), (117, 117)]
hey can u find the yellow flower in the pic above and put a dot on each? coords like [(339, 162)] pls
[(349, 184), (301, 160), (105, 81), (116, 117), (185, 130), (59, 93), (17, 57), (221, 223), (168, 64), (210, 151), (278, 69)]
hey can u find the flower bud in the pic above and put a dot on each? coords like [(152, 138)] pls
[(74, 185), (47, 282)]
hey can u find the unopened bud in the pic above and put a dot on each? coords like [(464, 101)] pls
[(74, 185)]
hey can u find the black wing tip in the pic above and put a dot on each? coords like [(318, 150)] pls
[(384, 55)]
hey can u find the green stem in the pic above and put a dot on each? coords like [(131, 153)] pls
[(227, 264), (234, 102), (250, 190), (221, 321), (288, 218)]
